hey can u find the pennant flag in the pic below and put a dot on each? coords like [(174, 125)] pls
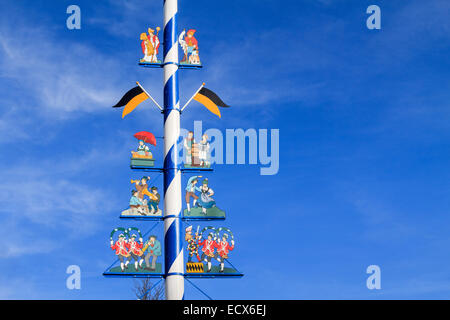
[(131, 100), (210, 100)]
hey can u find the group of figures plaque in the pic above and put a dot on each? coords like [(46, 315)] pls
[(199, 199), (129, 248), (207, 245), (197, 154)]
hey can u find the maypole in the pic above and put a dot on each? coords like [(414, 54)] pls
[(174, 265), (127, 246)]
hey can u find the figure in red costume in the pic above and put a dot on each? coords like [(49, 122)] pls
[(150, 45), (136, 251), (154, 40), (208, 247), (189, 45), (121, 246), (223, 248)]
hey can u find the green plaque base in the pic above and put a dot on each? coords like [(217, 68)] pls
[(189, 166), (132, 270), (196, 212), (141, 162)]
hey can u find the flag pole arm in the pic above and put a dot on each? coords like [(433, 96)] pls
[(156, 103), (203, 84)]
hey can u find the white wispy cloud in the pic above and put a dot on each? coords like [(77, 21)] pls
[(58, 81), (42, 200), (128, 15), (20, 248), (382, 223), (47, 79)]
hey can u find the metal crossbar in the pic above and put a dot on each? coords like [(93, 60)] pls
[(150, 289), (203, 292)]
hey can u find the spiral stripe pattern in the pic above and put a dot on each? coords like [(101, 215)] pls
[(174, 265)]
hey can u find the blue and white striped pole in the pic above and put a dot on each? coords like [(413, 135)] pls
[(174, 264)]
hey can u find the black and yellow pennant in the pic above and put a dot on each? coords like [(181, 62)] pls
[(131, 100), (210, 100)]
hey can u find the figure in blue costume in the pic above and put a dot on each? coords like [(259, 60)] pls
[(190, 191), (206, 201)]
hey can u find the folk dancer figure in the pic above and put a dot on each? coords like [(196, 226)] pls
[(136, 251), (208, 247), (192, 244), (190, 191), (121, 247), (206, 201), (223, 248)]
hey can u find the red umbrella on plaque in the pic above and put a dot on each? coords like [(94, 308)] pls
[(146, 136)]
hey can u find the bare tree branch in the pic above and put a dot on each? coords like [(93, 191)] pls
[(142, 287)]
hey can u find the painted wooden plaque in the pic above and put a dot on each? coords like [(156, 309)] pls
[(189, 45), (197, 154), (135, 254), (150, 46), (142, 157), (199, 200), (144, 200), (208, 250)]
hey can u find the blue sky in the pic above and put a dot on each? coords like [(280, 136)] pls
[(364, 139)]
